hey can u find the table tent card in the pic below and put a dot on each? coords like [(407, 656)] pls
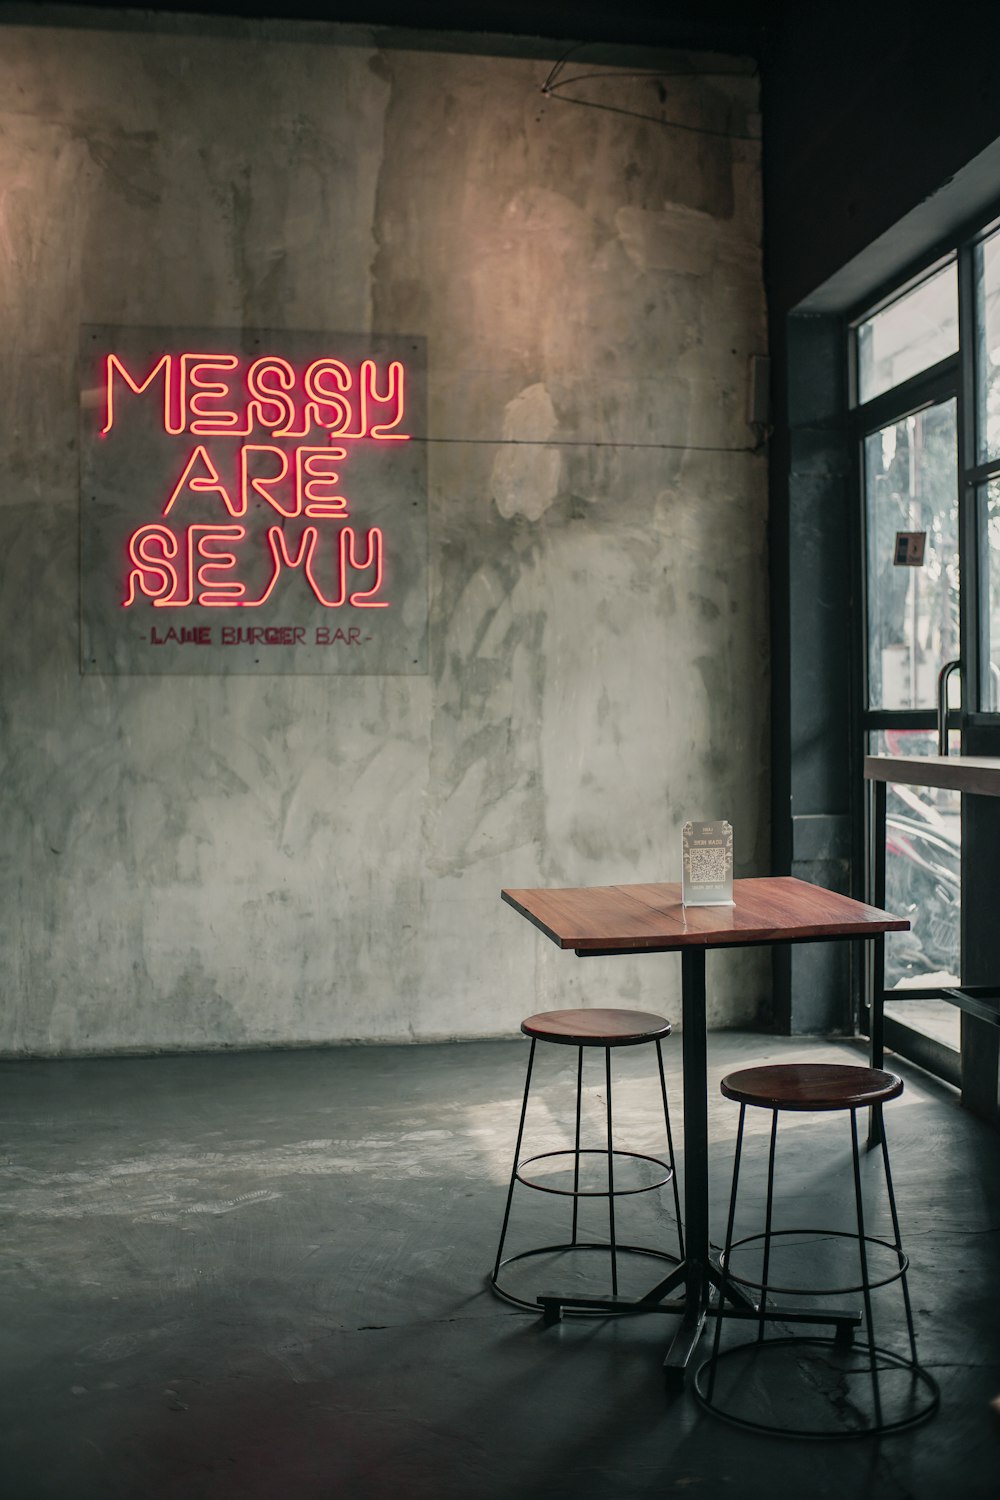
[(707, 850)]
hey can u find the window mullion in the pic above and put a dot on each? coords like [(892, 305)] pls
[(974, 643)]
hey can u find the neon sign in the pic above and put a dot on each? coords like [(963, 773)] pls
[(252, 472)]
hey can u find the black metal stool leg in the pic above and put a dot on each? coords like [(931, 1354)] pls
[(517, 1155), (865, 1281), (670, 1151), (611, 1180), (576, 1157), (724, 1268), (899, 1248), (767, 1226)]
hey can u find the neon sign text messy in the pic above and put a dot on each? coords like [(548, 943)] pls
[(222, 395)]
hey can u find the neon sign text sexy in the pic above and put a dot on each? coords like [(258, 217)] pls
[(174, 576)]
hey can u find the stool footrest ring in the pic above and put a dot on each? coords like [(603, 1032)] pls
[(892, 1361), (814, 1291), (605, 1245), (619, 1192)]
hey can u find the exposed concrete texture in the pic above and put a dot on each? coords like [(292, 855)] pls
[(206, 862)]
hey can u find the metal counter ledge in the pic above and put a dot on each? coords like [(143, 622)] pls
[(976, 774)]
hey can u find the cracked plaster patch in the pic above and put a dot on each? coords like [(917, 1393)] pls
[(526, 479)]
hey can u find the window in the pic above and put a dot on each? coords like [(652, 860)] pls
[(987, 281), (926, 420), (910, 479), (915, 331), (907, 380), (987, 383)]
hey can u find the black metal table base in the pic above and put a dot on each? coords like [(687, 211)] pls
[(687, 1336)]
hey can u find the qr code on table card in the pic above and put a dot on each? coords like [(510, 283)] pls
[(706, 866), (707, 850)]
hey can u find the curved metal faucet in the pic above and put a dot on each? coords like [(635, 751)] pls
[(942, 703)]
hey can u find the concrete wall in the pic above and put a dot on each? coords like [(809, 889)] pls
[(198, 862)]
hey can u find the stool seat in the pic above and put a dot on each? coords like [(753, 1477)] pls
[(596, 1028), (811, 1086)]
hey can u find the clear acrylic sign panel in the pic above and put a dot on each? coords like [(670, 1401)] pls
[(707, 864)]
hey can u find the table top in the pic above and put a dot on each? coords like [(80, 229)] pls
[(638, 918), (979, 774)]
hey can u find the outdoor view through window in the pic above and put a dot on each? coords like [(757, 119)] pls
[(988, 445)]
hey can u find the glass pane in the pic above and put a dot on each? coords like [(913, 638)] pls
[(923, 849), (909, 335), (990, 686), (911, 486), (988, 347), (935, 1018)]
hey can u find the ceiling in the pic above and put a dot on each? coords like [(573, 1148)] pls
[(741, 27)]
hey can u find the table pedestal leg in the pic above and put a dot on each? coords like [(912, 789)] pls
[(696, 1263)]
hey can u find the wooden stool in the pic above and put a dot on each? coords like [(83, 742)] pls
[(585, 1029), (815, 1087)]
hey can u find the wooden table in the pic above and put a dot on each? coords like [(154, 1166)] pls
[(619, 919)]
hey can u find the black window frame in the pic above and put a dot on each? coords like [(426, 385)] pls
[(956, 376)]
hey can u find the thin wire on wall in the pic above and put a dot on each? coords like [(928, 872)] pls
[(555, 85), (587, 443)]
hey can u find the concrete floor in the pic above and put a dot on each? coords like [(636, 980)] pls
[(262, 1275)]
